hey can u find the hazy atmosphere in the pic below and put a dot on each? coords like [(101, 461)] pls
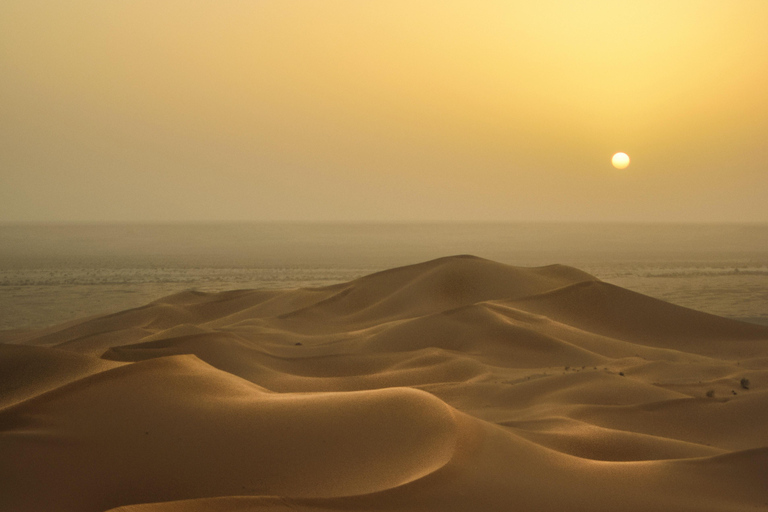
[(383, 256), (149, 111)]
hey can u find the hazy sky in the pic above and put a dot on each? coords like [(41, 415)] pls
[(167, 110)]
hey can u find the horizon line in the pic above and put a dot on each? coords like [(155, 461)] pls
[(94, 223)]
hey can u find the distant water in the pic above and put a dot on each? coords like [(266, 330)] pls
[(55, 273)]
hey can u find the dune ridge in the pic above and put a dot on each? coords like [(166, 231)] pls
[(451, 385)]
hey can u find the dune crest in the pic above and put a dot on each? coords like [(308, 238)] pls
[(452, 385)]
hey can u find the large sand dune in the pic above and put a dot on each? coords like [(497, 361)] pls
[(458, 384)]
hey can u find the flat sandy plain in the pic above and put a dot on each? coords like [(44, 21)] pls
[(459, 384)]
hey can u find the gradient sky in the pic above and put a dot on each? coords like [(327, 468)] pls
[(259, 110)]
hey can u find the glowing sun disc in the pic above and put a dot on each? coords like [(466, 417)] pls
[(620, 160)]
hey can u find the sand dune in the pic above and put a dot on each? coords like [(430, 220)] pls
[(458, 384)]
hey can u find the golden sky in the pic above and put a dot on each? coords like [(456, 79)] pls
[(260, 110)]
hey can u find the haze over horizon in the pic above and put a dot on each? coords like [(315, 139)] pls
[(392, 111)]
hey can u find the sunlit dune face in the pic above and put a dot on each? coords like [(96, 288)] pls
[(620, 160)]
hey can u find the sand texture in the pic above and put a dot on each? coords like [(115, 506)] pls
[(459, 384)]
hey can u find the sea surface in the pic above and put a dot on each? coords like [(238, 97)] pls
[(51, 274)]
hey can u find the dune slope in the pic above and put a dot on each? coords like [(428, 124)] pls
[(457, 384)]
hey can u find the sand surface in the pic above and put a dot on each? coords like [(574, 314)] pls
[(459, 384)]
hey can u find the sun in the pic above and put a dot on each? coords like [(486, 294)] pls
[(620, 160)]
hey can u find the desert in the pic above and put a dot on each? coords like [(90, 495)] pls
[(393, 256), (451, 385)]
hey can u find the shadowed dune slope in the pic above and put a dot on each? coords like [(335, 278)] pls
[(612, 311), (458, 384), (175, 428)]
